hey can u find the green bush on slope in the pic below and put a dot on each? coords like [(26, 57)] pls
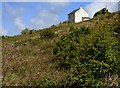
[(47, 33), (102, 11), (90, 55)]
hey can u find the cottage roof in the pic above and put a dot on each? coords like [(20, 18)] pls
[(73, 11), (76, 10)]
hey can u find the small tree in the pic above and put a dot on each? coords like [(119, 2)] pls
[(25, 31)]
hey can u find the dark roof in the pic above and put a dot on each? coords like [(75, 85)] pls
[(73, 11)]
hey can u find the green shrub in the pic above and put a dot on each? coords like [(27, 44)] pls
[(89, 54), (25, 31), (102, 11), (45, 34)]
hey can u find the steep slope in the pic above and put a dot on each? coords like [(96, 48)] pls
[(28, 58)]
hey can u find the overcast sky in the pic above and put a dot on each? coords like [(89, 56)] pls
[(37, 15)]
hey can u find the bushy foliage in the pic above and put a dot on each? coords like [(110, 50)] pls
[(102, 11), (47, 34), (90, 55), (27, 31)]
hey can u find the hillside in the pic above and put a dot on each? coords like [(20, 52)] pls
[(44, 57)]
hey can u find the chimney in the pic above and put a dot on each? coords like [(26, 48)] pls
[(81, 7)]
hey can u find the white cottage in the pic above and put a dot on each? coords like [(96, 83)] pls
[(78, 15)]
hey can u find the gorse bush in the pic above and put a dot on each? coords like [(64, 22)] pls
[(102, 11), (47, 34), (27, 31), (91, 55)]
